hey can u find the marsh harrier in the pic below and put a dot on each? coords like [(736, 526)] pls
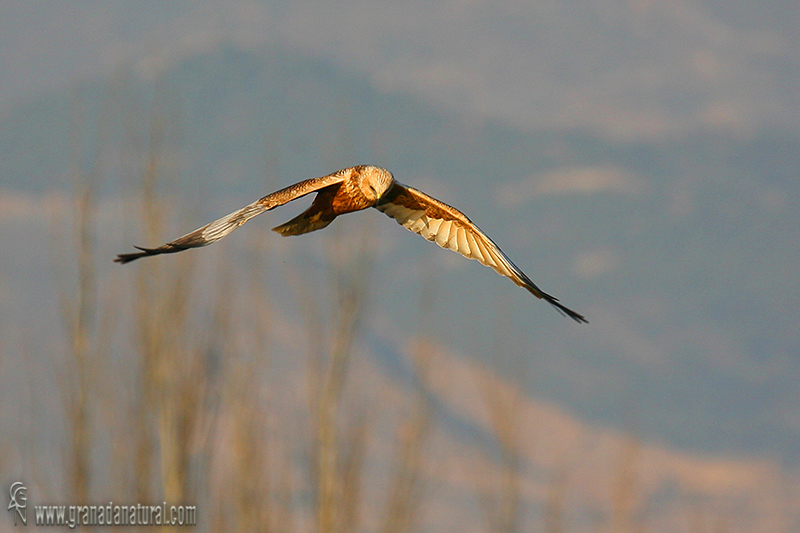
[(360, 187)]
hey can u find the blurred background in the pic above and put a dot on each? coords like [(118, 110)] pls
[(637, 159)]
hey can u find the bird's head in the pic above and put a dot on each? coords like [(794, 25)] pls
[(375, 181)]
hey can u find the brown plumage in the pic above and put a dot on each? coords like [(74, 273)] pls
[(356, 188)]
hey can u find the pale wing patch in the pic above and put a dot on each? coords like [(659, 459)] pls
[(433, 227), (474, 249), (499, 264), (452, 242), (449, 234), (225, 225), (480, 251), (418, 226), (443, 234), (463, 244)]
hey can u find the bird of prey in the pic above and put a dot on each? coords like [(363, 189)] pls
[(356, 188)]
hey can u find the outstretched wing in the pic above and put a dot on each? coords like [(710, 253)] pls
[(450, 228), (220, 228)]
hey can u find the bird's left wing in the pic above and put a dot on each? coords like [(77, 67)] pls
[(450, 228), (220, 228)]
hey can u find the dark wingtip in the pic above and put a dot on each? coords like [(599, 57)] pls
[(577, 317), (127, 258), (566, 311), (552, 300)]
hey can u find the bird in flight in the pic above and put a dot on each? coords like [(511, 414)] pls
[(356, 188)]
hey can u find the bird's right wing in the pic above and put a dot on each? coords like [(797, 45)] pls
[(220, 228)]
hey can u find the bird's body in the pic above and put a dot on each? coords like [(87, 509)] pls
[(356, 188), (362, 188)]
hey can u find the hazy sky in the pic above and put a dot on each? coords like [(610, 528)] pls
[(624, 67), (633, 68)]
